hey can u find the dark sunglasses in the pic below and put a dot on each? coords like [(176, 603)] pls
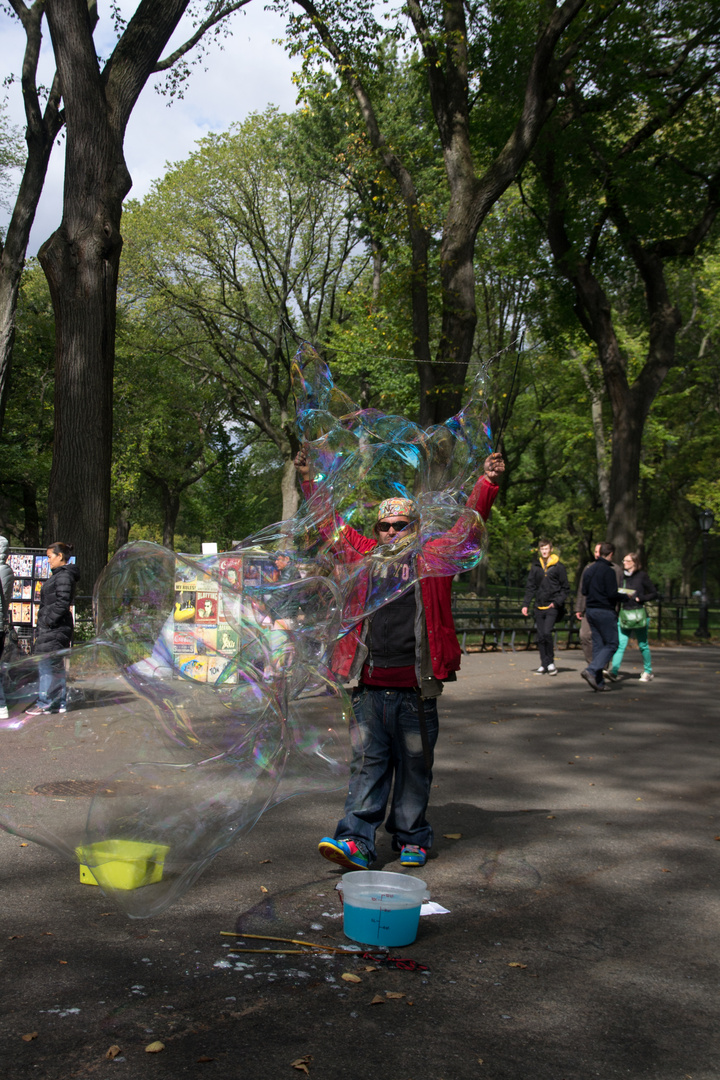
[(386, 526)]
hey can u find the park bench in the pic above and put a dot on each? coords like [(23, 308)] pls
[(499, 625)]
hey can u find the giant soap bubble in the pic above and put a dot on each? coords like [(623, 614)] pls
[(212, 689)]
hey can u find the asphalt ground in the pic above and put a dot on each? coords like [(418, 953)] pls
[(577, 850)]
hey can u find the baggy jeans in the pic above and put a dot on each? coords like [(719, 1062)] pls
[(389, 744)]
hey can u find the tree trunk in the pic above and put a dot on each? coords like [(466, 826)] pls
[(81, 260), (122, 529), (596, 414), (289, 488), (171, 509)]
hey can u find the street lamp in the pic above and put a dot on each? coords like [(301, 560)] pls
[(706, 520)]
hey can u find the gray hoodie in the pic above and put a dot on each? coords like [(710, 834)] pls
[(6, 580)]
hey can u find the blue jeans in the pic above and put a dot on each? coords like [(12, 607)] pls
[(52, 691), (390, 743), (604, 626)]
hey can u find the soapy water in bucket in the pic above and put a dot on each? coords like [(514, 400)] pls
[(382, 908), (210, 693)]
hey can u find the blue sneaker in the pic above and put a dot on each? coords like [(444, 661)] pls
[(343, 852), (412, 855)]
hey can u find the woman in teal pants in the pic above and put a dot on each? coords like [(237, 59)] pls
[(641, 590)]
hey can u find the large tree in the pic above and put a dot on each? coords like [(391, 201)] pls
[(235, 255), (630, 174), (498, 70), (81, 258)]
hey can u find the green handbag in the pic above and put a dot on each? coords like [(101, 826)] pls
[(633, 618)]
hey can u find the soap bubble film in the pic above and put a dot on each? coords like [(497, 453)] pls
[(213, 689)]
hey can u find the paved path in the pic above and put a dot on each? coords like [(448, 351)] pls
[(582, 941)]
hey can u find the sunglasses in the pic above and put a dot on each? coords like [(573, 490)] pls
[(386, 526)]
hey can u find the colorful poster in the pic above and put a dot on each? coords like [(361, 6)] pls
[(184, 606), (230, 572), (206, 607), (183, 644), (195, 667), (218, 670), (227, 640), (207, 637), (42, 567), (21, 565)]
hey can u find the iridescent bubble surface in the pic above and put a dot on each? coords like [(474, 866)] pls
[(209, 693)]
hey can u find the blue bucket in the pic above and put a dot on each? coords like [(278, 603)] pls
[(381, 908)]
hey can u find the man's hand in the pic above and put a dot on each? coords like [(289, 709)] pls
[(524, 611), (301, 465), (493, 468), (578, 614)]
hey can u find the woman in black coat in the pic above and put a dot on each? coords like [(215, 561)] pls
[(637, 589), (54, 630)]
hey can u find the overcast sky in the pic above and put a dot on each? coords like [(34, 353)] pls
[(250, 73)]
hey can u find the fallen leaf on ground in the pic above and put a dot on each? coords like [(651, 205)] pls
[(263, 889), (452, 835), (263, 861), (480, 1061), (62, 961), (551, 817), (302, 1064), (13, 936), (370, 968), (409, 1002), (378, 1000), (664, 871), (30, 1037), (154, 1047), (393, 994), (516, 964), (23, 845), (112, 1052), (202, 1060), (349, 977)]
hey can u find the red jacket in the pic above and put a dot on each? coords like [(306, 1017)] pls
[(442, 639)]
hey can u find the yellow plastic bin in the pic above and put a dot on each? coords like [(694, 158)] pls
[(121, 864)]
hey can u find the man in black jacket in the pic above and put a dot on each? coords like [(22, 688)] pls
[(601, 598), (548, 583)]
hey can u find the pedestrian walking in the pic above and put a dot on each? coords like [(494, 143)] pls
[(547, 582), (601, 599), (585, 634), (637, 590)]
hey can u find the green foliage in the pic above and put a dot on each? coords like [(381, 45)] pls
[(11, 158), (26, 444)]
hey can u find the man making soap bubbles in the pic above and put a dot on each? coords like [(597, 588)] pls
[(401, 655)]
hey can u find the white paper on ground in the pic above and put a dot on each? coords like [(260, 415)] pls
[(432, 908)]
